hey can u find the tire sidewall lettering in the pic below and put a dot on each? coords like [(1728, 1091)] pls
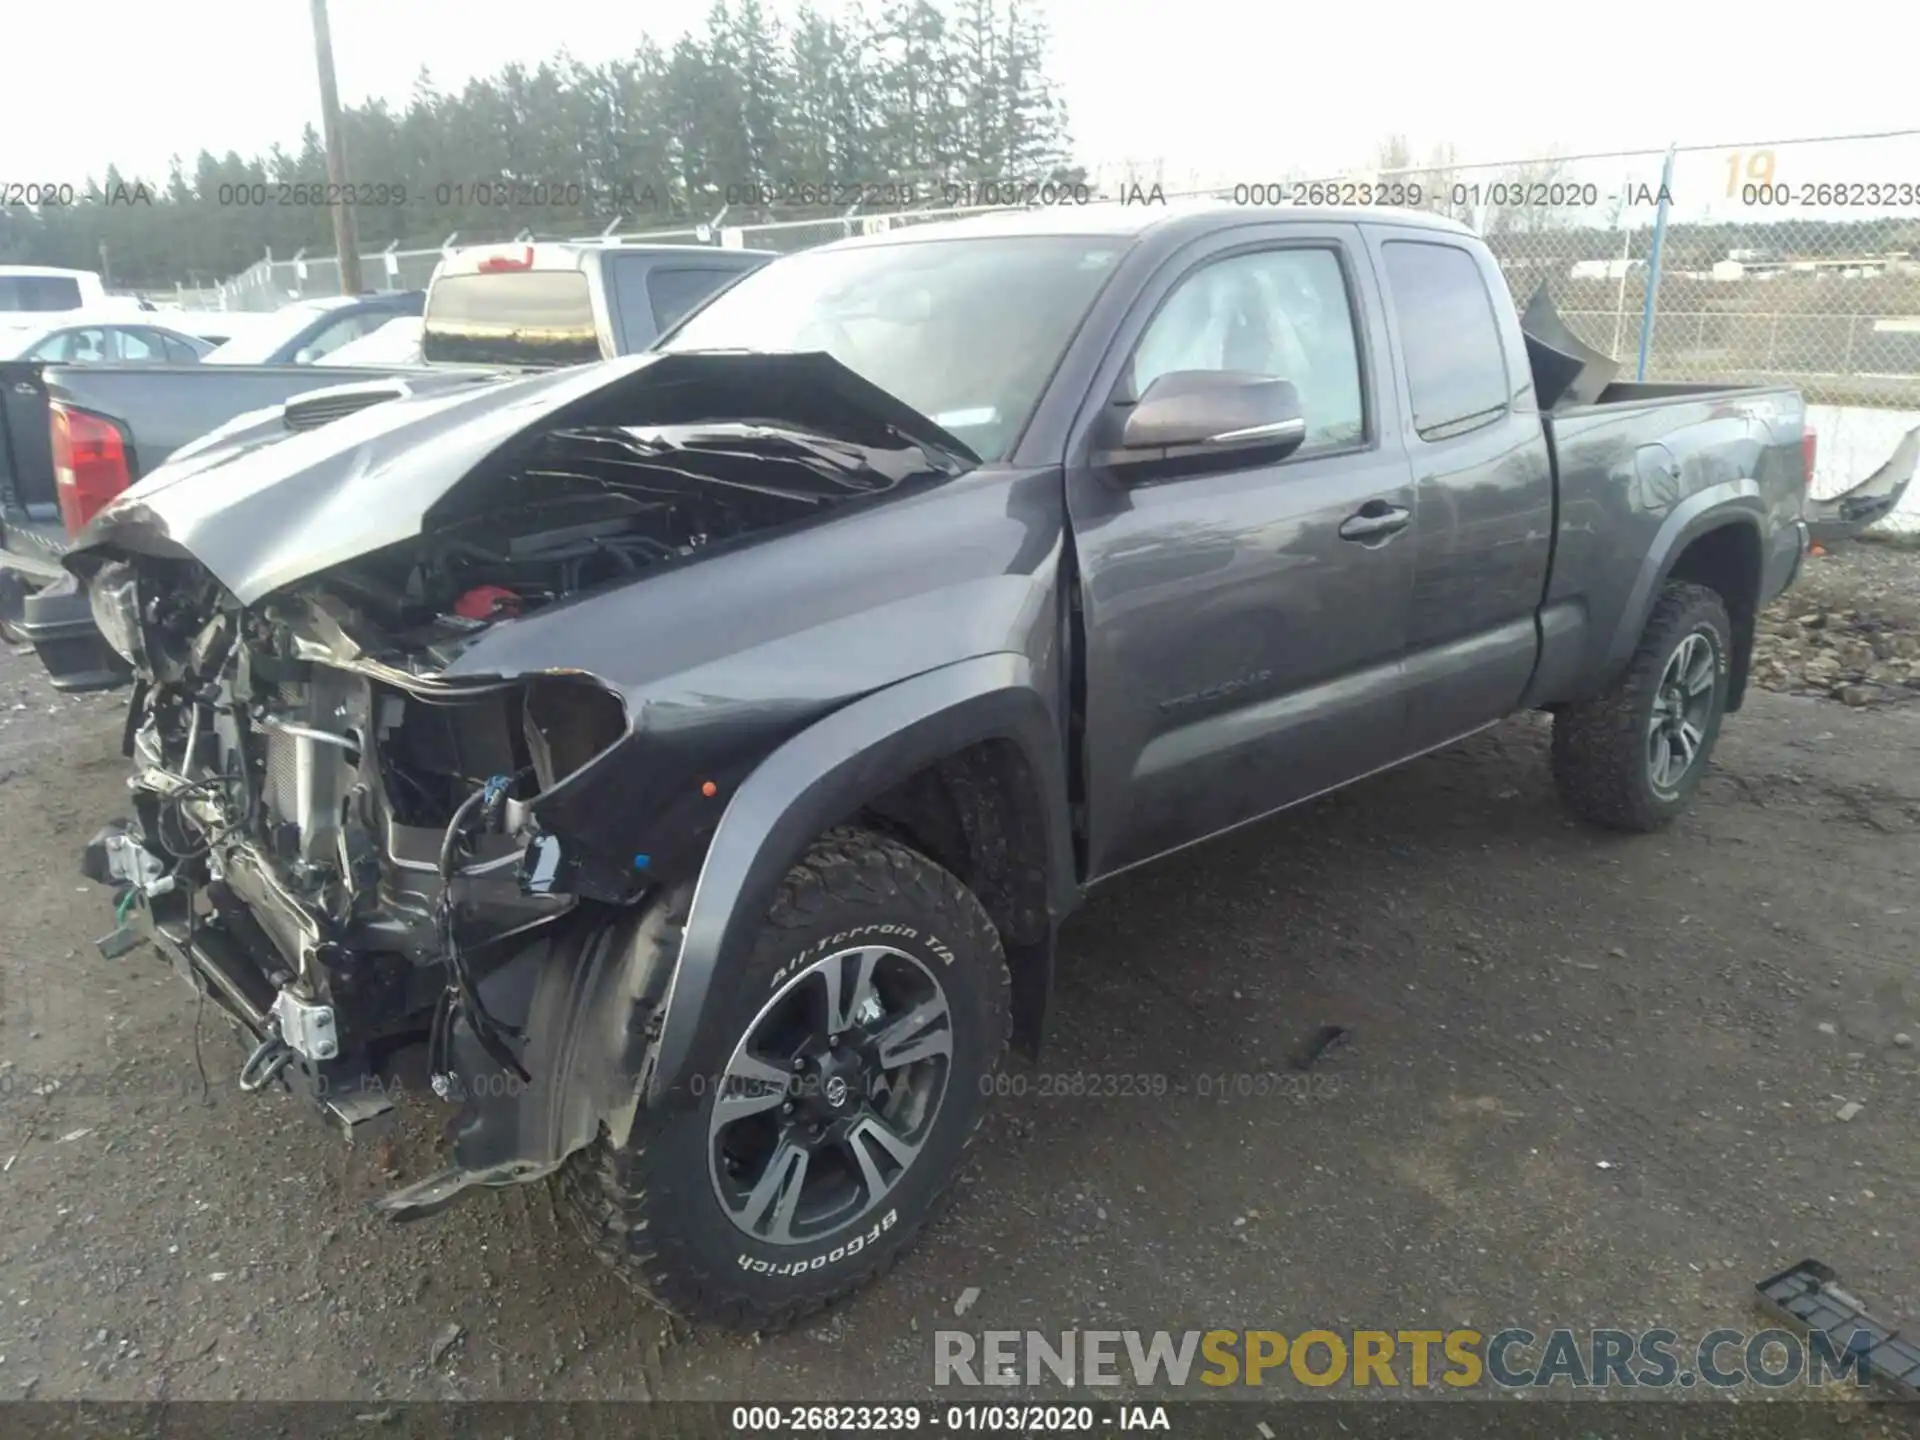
[(914, 909), (853, 938), (846, 1250)]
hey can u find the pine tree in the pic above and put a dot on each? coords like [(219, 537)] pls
[(808, 141), (853, 100), (979, 47), (1035, 121), (761, 85), (917, 117), (912, 92)]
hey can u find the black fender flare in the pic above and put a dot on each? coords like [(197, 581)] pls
[(818, 779), (612, 1008), (1731, 502)]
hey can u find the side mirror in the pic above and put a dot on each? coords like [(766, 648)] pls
[(305, 355), (1188, 416)]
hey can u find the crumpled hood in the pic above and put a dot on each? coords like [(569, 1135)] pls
[(267, 506)]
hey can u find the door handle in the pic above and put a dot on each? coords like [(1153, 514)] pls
[(1375, 521)]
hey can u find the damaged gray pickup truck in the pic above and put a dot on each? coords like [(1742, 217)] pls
[(698, 752)]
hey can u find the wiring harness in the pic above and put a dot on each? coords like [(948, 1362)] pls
[(480, 811)]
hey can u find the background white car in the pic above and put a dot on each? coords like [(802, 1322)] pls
[(89, 340), (395, 343)]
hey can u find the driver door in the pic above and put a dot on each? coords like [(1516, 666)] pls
[(1242, 652)]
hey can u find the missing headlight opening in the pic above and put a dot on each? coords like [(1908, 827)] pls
[(567, 723), (305, 792)]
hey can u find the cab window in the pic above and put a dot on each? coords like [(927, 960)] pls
[(1283, 312)]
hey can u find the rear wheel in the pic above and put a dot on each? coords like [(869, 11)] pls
[(1632, 758), (831, 1114)]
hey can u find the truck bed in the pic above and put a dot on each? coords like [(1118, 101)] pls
[(159, 408), (1635, 470), (162, 407), (1644, 392)]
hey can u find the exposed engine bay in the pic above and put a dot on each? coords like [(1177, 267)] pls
[(592, 506), (336, 839)]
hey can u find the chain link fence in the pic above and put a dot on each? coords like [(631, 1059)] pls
[(1782, 261), (268, 283)]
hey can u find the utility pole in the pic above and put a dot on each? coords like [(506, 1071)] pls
[(346, 241), (1653, 265)]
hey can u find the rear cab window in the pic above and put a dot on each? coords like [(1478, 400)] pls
[(53, 348), (1449, 338), (39, 294), (518, 316), (652, 293)]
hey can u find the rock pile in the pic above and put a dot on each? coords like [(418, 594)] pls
[(1849, 631), (1853, 656)]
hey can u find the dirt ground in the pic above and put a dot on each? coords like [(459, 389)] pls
[(1592, 1080)]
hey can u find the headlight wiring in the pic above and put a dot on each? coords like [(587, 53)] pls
[(461, 998)]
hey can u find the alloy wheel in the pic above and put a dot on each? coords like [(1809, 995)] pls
[(1682, 709), (830, 1095)]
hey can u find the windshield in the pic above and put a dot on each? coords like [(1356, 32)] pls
[(258, 345), (967, 332), (395, 343)]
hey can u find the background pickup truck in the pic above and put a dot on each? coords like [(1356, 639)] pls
[(72, 437), (699, 752)]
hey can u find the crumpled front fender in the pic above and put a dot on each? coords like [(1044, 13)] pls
[(613, 1011)]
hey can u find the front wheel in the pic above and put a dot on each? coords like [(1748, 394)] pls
[(1632, 758), (829, 1114)]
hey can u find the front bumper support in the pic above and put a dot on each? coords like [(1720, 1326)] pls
[(213, 957)]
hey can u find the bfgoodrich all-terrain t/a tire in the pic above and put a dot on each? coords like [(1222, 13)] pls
[(1632, 758), (831, 1113)]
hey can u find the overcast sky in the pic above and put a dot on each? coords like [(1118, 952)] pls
[(1236, 88)]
